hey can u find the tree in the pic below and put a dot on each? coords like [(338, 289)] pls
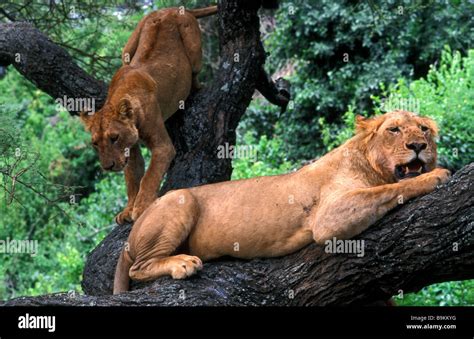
[(210, 119)]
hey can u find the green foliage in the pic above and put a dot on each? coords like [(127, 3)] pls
[(453, 293), (52, 147), (333, 135), (341, 50), (63, 240), (270, 158)]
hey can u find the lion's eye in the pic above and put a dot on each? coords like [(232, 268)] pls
[(114, 138), (394, 129), (424, 128)]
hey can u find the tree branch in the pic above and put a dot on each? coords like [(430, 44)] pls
[(278, 93), (48, 66)]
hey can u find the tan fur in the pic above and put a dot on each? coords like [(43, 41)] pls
[(339, 195), (161, 61)]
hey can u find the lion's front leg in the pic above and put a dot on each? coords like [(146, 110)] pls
[(353, 212), (162, 153), (133, 175)]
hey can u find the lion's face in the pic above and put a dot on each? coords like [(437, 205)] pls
[(401, 144), (113, 134)]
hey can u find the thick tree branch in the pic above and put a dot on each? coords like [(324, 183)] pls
[(278, 93), (428, 240), (46, 65)]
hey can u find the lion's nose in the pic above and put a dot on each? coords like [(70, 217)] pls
[(108, 168), (417, 147)]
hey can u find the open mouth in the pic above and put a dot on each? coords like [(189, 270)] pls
[(412, 169)]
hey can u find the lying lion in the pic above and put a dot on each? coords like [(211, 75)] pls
[(161, 61), (391, 159)]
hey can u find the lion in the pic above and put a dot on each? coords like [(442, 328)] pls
[(391, 159), (161, 61)]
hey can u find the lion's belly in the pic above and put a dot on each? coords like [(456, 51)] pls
[(248, 220), (205, 246)]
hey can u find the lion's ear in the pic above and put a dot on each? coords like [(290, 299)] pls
[(361, 124), (86, 119), (366, 125), (125, 108), (431, 124)]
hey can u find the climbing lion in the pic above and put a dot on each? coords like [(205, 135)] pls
[(161, 61)]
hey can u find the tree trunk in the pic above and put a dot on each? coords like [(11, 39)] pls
[(211, 116), (428, 240)]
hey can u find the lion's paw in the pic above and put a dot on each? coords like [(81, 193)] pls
[(183, 266), (434, 178), (440, 175), (124, 217), (141, 204)]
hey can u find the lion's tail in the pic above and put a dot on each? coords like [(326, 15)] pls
[(122, 278), (203, 12)]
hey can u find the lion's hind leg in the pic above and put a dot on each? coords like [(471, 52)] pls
[(161, 230), (191, 37)]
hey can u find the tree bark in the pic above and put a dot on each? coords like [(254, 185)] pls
[(425, 241)]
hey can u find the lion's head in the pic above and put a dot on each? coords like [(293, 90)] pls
[(400, 144), (113, 133)]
